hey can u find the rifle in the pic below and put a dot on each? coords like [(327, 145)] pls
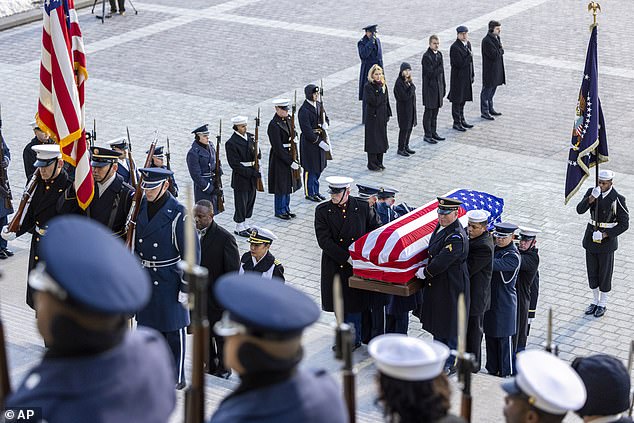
[(258, 184), (296, 174), (197, 281), (323, 133), (136, 200), (344, 339), (5, 188), (131, 162), (549, 346), (18, 217), (92, 135), (466, 361), (218, 181), (5, 378), (168, 155)]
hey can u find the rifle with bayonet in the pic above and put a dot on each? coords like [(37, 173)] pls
[(92, 135), (259, 185), (344, 340), (133, 214), (296, 174), (323, 132), (550, 346), (197, 281), (5, 380), (466, 361), (131, 162), (25, 202), (168, 155), (220, 195), (5, 188)]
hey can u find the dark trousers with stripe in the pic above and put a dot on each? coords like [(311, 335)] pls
[(176, 341), (244, 202), (311, 183), (500, 356), (474, 338), (600, 267)]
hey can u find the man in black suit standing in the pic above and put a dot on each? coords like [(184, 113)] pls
[(219, 255), (492, 69), (462, 74)]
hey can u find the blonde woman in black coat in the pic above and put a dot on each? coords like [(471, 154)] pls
[(378, 113)]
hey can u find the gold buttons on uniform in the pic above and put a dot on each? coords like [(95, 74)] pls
[(36, 258)]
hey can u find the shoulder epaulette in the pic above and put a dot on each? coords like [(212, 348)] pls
[(277, 262)]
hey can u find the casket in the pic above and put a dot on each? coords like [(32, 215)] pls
[(375, 285)]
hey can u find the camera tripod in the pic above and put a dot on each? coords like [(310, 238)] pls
[(103, 9)]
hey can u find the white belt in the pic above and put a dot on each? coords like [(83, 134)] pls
[(286, 145), (160, 263), (603, 225), (247, 164)]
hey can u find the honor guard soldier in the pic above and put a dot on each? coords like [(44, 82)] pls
[(370, 53), (29, 155), (51, 185), (462, 75), (201, 162), (158, 160), (607, 383), (543, 391), (412, 384), (241, 156), (500, 322), (480, 264), (529, 271), (5, 202), (259, 259), (113, 197), (446, 276), (94, 369), (600, 239), (338, 223), (313, 147), (281, 163), (159, 243), (219, 255), (120, 145), (265, 349)]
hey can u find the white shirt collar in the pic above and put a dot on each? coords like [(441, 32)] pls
[(608, 419), (243, 136), (312, 103), (124, 163), (104, 186), (605, 194), (255, 262)]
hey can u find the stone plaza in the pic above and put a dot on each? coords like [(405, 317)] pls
[(176, 65)]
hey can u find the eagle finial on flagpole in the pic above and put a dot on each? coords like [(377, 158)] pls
[(594, 7)]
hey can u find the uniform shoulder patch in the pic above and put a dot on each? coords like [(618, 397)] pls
[(277, 262)]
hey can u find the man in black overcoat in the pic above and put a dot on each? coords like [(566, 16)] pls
[(492, 69), (219, 255), (433, 88), (338, 223), (600, 238), (241, 156), (529, 265), (446, 276), (312, 145), (462, 75), (370, 53), (480, 264)]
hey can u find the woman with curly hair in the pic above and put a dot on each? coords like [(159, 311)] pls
[(412, 385)]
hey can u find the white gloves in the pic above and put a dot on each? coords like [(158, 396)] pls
[(324, 146), (294, 166), (530, 320), (350, 261), (420, 273), (597, 236), (596, 191), (6, 235), (324, 125), (183, 297)]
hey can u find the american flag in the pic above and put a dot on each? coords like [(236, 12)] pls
[(60, 110), (394, 252)]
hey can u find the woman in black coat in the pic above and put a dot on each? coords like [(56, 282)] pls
[(405, 94), (378, 114)]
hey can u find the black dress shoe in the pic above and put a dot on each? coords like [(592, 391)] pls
[(321, 197), (430, 140), (410, 151), (487, 117), (494, 113), (459, 128), (438, 137), (591, 309), (224, 374), (402, 153), (8, 252), (466, 125), (243, 233), (3, 255), (374, 169), (283, 216), (382, 167), (291, 215), (600, 311), (313, 198)]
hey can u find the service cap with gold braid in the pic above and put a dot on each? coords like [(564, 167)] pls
[(447, 205), (101, 156), (261, 236)]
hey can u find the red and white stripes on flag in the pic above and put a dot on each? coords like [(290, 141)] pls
[(63, 73)]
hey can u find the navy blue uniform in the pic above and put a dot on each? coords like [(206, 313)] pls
[(313, 157), (370, 53), (124, 170), (500, 322), (131, 382), (307, 397), (525, 282), (4, 211), (160, 244), (201, 162)]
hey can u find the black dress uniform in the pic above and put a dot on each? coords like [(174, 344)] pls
[(268, 266), (613, 220), (123, 169), (219, 255), (112, 200), (280, 160), (241, 156), (5, 159), (460, 84), (313, 156), (104, 373), (532, 307), (201, 163), (525, 280), (370, 53)]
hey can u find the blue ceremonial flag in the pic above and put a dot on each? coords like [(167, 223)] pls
[(589, 142)]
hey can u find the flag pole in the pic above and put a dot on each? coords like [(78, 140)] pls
[(595, 7)]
